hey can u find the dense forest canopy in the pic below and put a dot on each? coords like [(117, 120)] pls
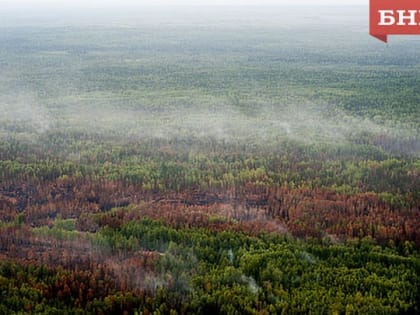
[(207, 160)]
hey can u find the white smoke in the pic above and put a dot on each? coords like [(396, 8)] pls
[(24, 114)]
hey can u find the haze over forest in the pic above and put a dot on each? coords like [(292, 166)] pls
[(208, 159), (222, 72)]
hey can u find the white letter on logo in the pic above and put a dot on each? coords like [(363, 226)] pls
[(387, 17), (411, 17)]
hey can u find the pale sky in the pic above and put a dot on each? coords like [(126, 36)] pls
[(107, 3)]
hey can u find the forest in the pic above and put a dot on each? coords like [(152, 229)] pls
[(208, 161)]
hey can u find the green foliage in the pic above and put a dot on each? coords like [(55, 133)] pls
[(230, 119), (231, 273), (67, 224), (198, 271)]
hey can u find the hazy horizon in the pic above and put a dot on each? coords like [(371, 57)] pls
[(113, 3)]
